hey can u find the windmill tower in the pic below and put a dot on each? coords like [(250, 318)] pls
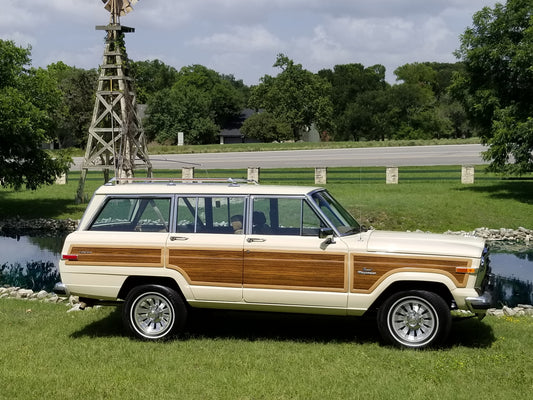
[(116, 138)]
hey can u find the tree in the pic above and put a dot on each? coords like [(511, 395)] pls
[(226, 101), (265, 127), (181, 110), (295, 96), (353, 116), (72, 117), (151, 77), (27, 97), (497, 82), (414, 112), (198, 104)]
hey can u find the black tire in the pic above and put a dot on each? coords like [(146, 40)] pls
[(414, 319), (154, 312)]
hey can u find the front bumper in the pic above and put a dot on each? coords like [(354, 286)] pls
[(480, 304)]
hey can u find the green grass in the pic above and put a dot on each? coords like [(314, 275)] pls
[(426, 198), (48, 353)]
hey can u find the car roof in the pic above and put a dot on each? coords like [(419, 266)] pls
[(202, 188)]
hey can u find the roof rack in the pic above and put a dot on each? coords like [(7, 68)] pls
[(173, 181)]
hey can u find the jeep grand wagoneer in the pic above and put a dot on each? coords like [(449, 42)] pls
[(162, 248)]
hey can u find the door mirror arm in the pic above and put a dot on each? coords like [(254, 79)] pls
[(327, 234)]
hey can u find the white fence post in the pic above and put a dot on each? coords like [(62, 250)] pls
[(467, 174), (62, 179), (321, 175), (392, 175), (253, 174), (187, 172)]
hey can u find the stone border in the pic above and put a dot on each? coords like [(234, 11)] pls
[(521, 235), (520, 310), (37, 227), (28, 294)]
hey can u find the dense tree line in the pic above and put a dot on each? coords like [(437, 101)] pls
[(29, 99), (487, 93), (497, 82)]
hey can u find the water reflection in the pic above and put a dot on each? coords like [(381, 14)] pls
[(514, 277), (31, 262)]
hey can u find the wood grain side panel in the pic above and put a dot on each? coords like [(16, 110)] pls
[(295, 270), (119, 256), (209, 267), (369, 270)]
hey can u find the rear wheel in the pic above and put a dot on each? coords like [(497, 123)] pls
[(154, 312), (414, 319)]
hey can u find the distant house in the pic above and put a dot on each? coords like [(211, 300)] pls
[(231, 133)]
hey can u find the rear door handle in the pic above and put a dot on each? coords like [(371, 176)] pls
[(174, 238)]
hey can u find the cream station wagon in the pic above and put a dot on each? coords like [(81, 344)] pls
[(164, 247)]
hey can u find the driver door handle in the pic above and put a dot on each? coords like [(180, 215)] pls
[(251, 240)]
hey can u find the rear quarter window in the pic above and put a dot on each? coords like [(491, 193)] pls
[(133, 215)]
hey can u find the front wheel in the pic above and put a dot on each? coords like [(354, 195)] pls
[(154, 312), (414, 319)]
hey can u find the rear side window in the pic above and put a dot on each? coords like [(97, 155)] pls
[(210, 215), (133, 215)]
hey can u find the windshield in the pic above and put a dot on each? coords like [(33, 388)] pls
[(337, 214)]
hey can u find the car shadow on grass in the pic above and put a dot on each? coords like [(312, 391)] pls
[(470, 332), (255, 326), (108, 326), (302, 328)]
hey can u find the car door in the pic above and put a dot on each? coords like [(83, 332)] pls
[(285, 260), (206, 246)]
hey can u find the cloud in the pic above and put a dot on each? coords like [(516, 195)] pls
[(240, 39)]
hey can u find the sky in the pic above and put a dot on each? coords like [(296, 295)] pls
[(243, 37)]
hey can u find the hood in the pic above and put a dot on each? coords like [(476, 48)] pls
[(424, 243)]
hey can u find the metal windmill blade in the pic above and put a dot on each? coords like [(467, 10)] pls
[(119, 7)]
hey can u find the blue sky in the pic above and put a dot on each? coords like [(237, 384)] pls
[(243, 37)]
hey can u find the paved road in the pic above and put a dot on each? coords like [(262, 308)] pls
[(362, 157)]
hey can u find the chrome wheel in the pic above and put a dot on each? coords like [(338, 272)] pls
[(154, 312), (413, 321), (152, 315)]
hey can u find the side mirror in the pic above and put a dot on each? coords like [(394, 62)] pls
[(325, 232)]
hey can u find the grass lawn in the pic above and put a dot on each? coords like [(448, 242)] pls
[(426, 198), (48, 353)]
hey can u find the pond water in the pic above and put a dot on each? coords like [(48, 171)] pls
[(31, 262)]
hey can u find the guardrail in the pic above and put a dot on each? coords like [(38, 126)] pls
[(392, 175), (465, 174)]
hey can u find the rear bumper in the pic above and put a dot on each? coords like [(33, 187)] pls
[(61, 289)]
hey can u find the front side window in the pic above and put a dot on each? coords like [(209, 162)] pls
[(133, 215), (210, 215), (284, 216)]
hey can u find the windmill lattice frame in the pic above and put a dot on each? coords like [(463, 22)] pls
[(116, 139)]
